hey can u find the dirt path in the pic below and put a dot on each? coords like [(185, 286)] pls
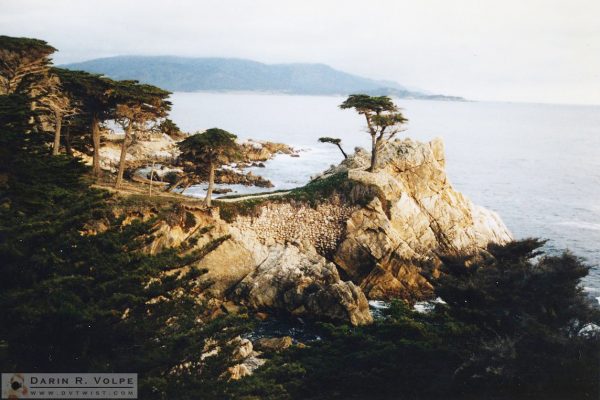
[(249, 197), (129, 188)]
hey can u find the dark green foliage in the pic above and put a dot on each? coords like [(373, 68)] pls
[(93, 96), (213, 146), (509, 330), (335, 141), (208, 151), (74, 300), (25, 46), (404, 356), (364, 104), (169, 128), (14, 113), (89, 90), (528, 312), (22, 61), (135, 93)]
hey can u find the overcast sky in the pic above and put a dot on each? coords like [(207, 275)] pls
[(510, 50)]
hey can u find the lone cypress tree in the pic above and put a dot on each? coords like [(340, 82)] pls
[(384, 120), (94, 96), (210, 149), (57, 104)]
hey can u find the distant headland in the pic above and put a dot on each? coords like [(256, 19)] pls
[(231, 74)]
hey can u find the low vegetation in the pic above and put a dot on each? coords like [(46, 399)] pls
[(510, 329), (312, 194)]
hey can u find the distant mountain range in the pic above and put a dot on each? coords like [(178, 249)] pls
[(183, 74)]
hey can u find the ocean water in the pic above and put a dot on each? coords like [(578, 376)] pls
[(537, 165)]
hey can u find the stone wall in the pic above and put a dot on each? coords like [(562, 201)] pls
[(322, 226)]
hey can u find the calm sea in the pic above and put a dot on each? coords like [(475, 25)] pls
[(537, 165)]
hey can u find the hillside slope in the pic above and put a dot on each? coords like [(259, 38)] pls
[(229, 74)]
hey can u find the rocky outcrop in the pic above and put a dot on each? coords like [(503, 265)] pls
[(395, 243), (322, 252), (259, 150), (274, 344), (145, 149), (303, 283)]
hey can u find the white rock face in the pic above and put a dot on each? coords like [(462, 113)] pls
[(394, 244)]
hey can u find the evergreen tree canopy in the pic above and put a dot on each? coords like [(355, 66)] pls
[(510, 328), (94, 96), (384, 120), (76, 298), (335, 141), (210, 149), (137, 105), (92, 93), (21, 60), (213, 146), (369, 105), (170, 128)]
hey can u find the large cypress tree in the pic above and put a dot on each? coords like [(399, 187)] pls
[(384, 120), (137, 106), (210, 150), (94, 96), (22, 61)]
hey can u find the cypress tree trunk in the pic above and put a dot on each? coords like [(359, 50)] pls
[(68, 140), (176, 184), (96, 144), (373, 153), (342, 150), (123, 156), (57, 129), (211, 183)]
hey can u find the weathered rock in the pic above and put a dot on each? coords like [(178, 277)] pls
[(395, 242), (322, 225), (302, 283), (245, 368), (243, 350), (230, 307), (249, 360), (258, 150), (274, 344), (389, 243)]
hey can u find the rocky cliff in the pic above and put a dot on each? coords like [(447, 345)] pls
[(348, 236), (394, 245)]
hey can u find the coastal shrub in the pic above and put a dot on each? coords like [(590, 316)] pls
[(528, 309), (509, 329)]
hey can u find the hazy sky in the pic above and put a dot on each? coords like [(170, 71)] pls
[(513, 50)]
